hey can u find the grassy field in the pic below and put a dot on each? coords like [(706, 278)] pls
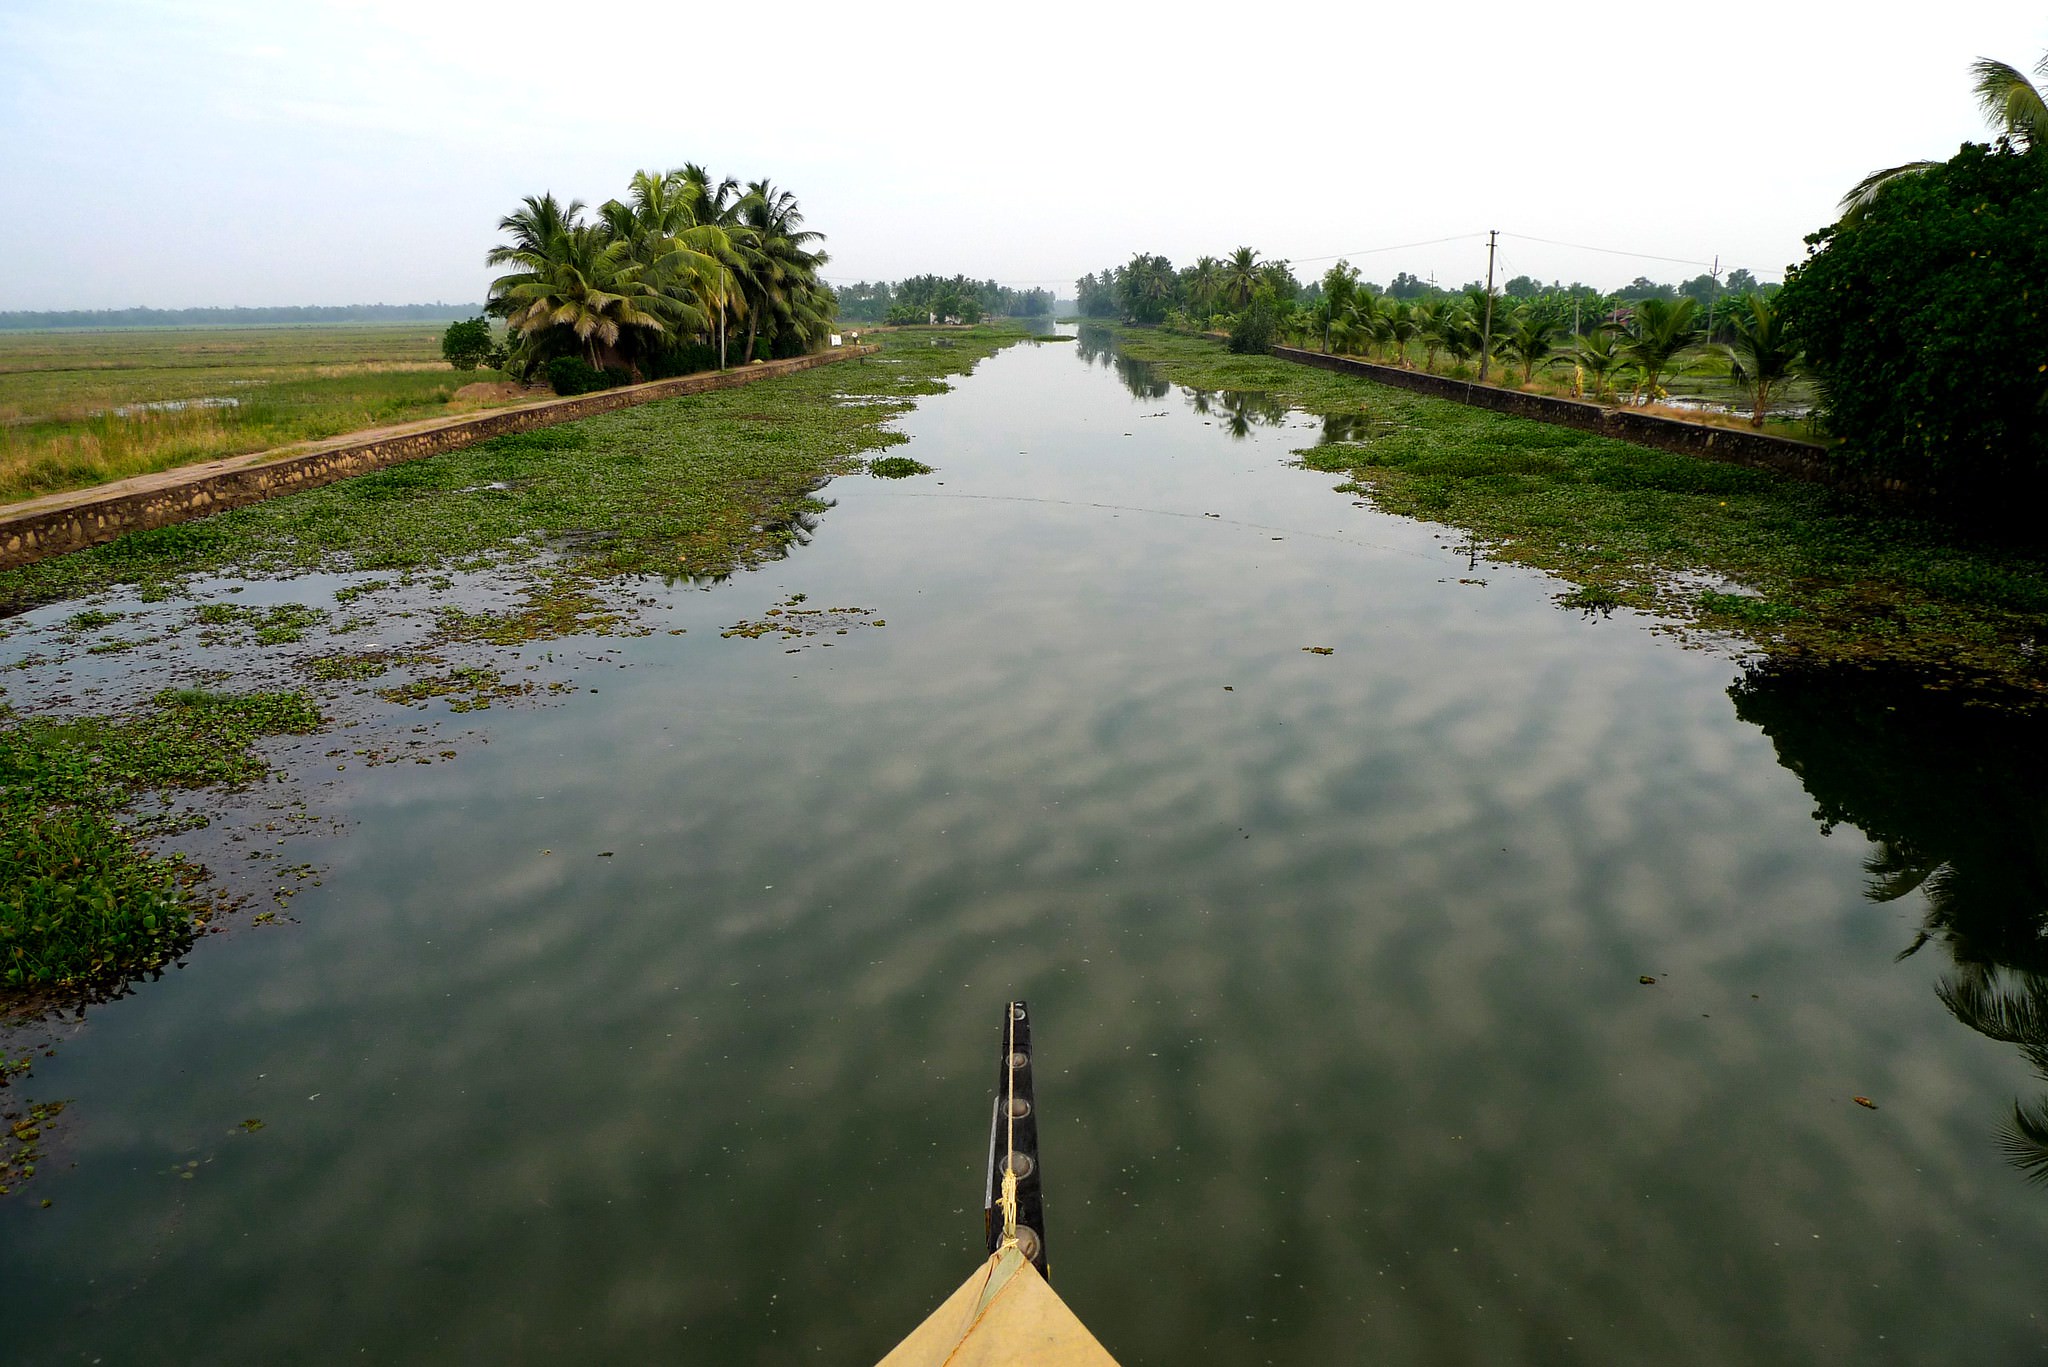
[(82, 408), (1798, 570)]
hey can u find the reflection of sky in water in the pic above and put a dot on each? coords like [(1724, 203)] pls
[(1335, 977)]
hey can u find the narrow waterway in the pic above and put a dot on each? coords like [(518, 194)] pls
[(656, 1023)]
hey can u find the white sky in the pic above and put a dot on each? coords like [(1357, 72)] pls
[(355, 151)]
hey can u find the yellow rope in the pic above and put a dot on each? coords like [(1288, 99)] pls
[(1008, 1200)]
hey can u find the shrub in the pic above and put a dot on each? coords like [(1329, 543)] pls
[(1254, 329), (574, 375), (1919, 322), (466, 345)]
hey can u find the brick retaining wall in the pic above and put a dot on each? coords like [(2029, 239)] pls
[(59, 523), (1759, 450)]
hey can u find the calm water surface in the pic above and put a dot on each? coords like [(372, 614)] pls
[(1335, 962)]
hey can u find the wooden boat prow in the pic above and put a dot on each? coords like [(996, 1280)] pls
[(1007, 1314)]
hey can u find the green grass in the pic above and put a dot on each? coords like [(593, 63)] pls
[(1830, 579), (290, 385), (82, 907)]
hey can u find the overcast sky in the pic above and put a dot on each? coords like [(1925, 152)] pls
[(195, 152)]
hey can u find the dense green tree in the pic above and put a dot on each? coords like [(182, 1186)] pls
[(659, 273), (467, 344), (1340, 287), (1919, 321), (1145, 288), (1255, 327)]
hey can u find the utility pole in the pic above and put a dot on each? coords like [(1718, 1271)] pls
[(1715, 276), (1486, 335)]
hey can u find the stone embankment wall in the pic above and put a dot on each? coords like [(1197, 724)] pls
[(59, 523), (1785, 456)]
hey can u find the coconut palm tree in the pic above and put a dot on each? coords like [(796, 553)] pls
[(2012, 104), (1365, 321), (1463, 336), (586, 282), (681, 256), (1205, 283), (1598, 353), (1240, 277), (1399, 325), (781, 280), (1761, 357), (1530, 337), (1433, 321), (1660, 330)]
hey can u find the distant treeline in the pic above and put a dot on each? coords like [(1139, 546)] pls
[(187, 318), (924, 297)]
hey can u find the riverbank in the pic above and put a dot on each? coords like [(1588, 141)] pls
[(60, 523), (1793, 569), (431, 572)]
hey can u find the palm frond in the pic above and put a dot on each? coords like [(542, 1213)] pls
[(2008, 1017), (2025, 1140), (1865, 192), (2011, 102)]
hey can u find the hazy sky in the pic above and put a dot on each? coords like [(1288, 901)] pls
[(191, 152)]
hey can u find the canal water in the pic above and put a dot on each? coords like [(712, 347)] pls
[(1495, 987)]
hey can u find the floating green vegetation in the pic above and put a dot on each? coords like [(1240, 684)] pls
[(344, 667), (555, 606), (469, 689), (793, 622), (897, 467), (284, 624), (1591, 598), (81, 906), (1830, 579), (22, 1132), (91, 620)]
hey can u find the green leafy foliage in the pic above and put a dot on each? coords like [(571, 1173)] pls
[(1253, 332), (574, 375), (467, 344), (80, 904), (1920, 322)]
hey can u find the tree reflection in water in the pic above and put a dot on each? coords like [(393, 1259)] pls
[(1097, 346), (1954, 792), (1240, 410)]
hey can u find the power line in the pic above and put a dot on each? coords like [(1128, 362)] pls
[(1609, 251), (1374, 251)]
